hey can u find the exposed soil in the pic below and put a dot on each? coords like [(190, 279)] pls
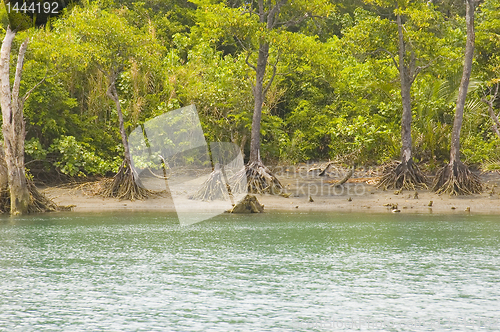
[(305, 190)]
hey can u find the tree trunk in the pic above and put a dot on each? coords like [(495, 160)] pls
[(456, 178), (464, 83), (404, 175), (4, 183), (124, 184), (113, 94), (258, 92), (406, 156), (4, 174), (13, 127)]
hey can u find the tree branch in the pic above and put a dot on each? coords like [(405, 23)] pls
[(111, 88), (494, 117), (268, 85), (249, 11), (248, 62), (241, 43), (19, 71), (418, 69), (390, 54), (271, 17), (28, 93), (296, 20)]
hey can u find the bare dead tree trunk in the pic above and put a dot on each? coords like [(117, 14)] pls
[(13, 127), (405, 79), (4, 176)]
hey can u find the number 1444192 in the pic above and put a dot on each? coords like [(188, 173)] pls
[(45, 7)]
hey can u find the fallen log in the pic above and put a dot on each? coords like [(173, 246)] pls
[(344, 179)]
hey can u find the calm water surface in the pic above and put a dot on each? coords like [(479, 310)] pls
[(270, 272)]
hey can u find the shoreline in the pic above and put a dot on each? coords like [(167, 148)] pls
[(371, 201), (302, 183)]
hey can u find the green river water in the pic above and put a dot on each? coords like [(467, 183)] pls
[(268, 272)]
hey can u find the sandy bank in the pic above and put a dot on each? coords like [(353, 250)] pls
[(358, 195)]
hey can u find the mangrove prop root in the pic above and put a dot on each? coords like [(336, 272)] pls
[(259, 180), (457, 179), (122, 186), (402, 175), (38, 201), (213, 188)]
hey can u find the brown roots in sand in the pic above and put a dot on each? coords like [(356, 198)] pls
[(259, 180), (402, 175), (457, 179), (38, 201), (122, 186), (214, 187)]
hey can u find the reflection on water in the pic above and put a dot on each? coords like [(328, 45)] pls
[(276, 271)]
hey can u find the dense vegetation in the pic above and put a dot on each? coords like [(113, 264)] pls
[(335, 92)]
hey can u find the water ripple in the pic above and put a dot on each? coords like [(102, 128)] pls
[(275, 272)]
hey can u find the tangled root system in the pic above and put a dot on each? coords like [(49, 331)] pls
[(402, 175), (259, 180), (122, 186), (456, 179), (38, 201), (214, 187)]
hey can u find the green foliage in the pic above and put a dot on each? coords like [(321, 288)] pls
[(77, 158), (488, 41), (433, 114), (477, 150), (34, 149), (293, 150), (336, 92), (366, 140), (217, 85), (49, 110)]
